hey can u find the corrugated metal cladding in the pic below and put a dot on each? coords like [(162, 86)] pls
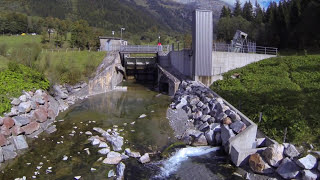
[(202, 39)]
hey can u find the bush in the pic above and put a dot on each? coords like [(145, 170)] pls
[(16, 79)]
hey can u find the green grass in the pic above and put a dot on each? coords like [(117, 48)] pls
[(15, 41), (285, 89), (17, 78), (69, 67)]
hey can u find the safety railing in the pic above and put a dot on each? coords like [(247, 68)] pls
[(145, 48), (222, 47)]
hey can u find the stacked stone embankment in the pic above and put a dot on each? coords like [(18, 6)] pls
[(209, 120), (31, 114)]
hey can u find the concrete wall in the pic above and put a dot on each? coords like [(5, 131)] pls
[(225, 61), (182, 61)]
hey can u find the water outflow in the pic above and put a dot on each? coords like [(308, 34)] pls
[(173, 163)]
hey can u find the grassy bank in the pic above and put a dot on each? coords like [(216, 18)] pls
[(285, 89)]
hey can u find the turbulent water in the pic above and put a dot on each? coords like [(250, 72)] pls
[(151, 134)]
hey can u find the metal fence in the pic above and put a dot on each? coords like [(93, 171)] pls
[(145, 48), (252, 48)]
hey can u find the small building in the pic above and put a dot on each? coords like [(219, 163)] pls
[(111, 43)]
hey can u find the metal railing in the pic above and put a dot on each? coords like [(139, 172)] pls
[(222, 47), (145, 48)]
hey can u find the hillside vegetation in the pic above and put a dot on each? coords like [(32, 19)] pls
[(285, 89)]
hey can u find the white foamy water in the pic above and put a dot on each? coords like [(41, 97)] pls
[(173, 163)]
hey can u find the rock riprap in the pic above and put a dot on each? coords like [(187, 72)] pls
[(215, 120)]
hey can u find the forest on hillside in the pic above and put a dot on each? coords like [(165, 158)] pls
[(289, 24)]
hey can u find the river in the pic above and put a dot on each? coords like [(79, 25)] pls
[(119, 110)]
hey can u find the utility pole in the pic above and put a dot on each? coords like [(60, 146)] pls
[(122, 29)]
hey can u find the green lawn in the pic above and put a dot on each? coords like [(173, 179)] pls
[(285, 89)]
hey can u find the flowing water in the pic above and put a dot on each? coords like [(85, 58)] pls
[(151, 134)]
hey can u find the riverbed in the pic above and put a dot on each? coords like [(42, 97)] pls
[(120, 110)]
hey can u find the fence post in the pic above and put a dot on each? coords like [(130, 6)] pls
[(285, 135), (265, 50), (260, 117)]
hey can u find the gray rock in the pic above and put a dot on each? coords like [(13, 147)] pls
[(204, 127), (134, 154), (198, 115), (111, 174), (20, 142), (127, 151), (116, 142), (220, 117), (274, 154), (23, 98), (200, 141), (100, 130), (124, 157), (112, 158), (51, 129), (258, 165), (209, 134), (238, 126), (288, 169), (46, 124), (14, 111), (9, 152), (291, 151), (194, 101), (211, 120), (193, 133), (35, 134), (62, 105), (309, 175), (104, 151), (200, 104), (59, 93), (120, 170), (24, 107), (319, 166), (38, 98), (21, 120), (145, 158), (53, 109), (205, 118), (215, 127), (182, 103), (307, 162), (15, 102), (226, 133)]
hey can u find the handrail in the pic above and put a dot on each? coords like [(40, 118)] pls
[(222, 47)]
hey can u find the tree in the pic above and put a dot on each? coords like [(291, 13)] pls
[(247, 11), (225, 12), (259, 14), (237, 8)]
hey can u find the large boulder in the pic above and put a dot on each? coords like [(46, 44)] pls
[(16, 130), (30, 128), (41, 114), (307, 162), (21, 120), (25, 107), (291, 151), (288, 169), (226, 133), (53, 109), (258, 165), (59, 93), (309, 175), (209, 134), (200, 141), (274, 154), (112, 158), (182, 103), (9, 152)]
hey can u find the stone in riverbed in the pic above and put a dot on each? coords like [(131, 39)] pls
[(104, 151), (25, 107), (209, 136), (112, 158), (15, 102), (51, 129), (30, 128), (274, 154), (204, 127), (200, 141), (3, 140), (116, 142), (134, 154), (258, 165), (291, 151), (20, 142), (309, 175), (111, 174), (120, 170), (21, 120), (145, 158), (182, 103), (99, 130), (307, 162), (238, 126), (288, 169)]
